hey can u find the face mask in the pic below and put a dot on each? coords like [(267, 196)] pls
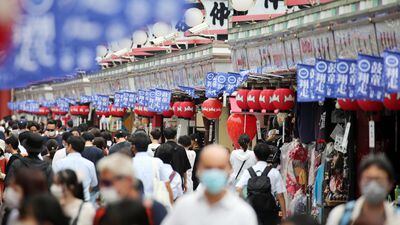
[(214, 180), (57, 191), (110, 195), (374, 193), (51, 133), (12, 198), (109, 143)]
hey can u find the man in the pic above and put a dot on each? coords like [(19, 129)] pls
[(22, 126), (21, 138), (33, 127), (118, 182), (34, 146), (376, 181), (95, 131), (12, 148), (147, 168), (180, 161), (62, 153), (155, 136), (121, 142), (91, 152), (52, 133), (70, 125), (84, 168), (214, 205), (275, 186)]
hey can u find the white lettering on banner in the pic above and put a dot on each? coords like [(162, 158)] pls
[(274, 98), (258, 130), (363, 78), (392, 75), (289, 98), (251, 98), (188, 109), (371, 134)]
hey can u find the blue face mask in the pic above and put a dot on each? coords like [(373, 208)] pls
[(214, 180)]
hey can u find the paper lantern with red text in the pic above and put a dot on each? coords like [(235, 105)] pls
[(241, 98), (211, 108), (177, 109), (265, 99), (392, 101), (283, 99), (348, 104), (253, 100), (370, 106), (238, 124), (43, 111), (188, 110), (84, 110), (57, 111), (147, 113), (74, 110)]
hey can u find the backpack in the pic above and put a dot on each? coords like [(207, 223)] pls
[(259, 196)]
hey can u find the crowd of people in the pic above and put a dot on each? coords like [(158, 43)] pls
[(56, 175)]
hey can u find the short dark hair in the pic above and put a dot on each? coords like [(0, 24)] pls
[(87, 136), (52, 122), (95, 131), (70, 123), (380, 161), (100, 142), (83, 127), (121, 134), (185, 141), (59, 124), (155, 134), (141, 141), (75, 129), (22, 124), (13, 141), (33, 124), (301, 219), (106, 135), (164, 152), (125, 212), (169, 133), (244, 141), (66, 135), (22, 136), (262, 151), (77, 143)]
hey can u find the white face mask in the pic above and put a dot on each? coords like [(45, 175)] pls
[(12, 198), (110, 195), (109, 143), (57, 191)]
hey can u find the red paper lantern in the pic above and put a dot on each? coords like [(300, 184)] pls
[(238, 124), (43, 111), (74, 110), (253, 100), (283, 99), (177, 109), (188, 110), (265, 99), (211, 108), (147, 113), (348, 104), (117, 112), (241, 98), (57, 111), (392, 101), (169, 113), (84, 110), (370, 106)]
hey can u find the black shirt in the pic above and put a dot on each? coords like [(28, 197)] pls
[(180, 161), (11, 160), (120, 146), (93, 154)]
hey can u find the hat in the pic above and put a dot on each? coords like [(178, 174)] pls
[(33, 143), (2, 145)]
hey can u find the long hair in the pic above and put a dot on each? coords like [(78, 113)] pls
[(70, 180)]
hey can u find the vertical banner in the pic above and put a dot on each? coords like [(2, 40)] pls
[(141, 98), (305, 84), (325, 78), (391, 71), (103, 102), (234, 80), (370, 82), (215, 84), (345, 78), (162, 99), (151, 101), (189, 91), (118, 99)]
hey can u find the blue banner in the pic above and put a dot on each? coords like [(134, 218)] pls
[(305, 84), (59, 38), (151, 103), (118, 99), (189, 91), (85, 99), (162, 100), (325, 78), (345, 78), (103, 102), (370, 82), (141, 97), (391, 71), (234, 80), (62, 104), (215, 84), (128, 99)]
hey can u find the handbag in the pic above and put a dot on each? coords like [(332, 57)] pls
[(160, 192)]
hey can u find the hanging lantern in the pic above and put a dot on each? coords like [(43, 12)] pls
[(57, 111), (265, 99), (242, 5), (177, 109), (241, 98), (238, 124), (84, 110), (253, 100), (348, 104), (211, 108), (74, 110), (116, 111), (283, 99), (138, 109), (392, 101), (43, 111), (370, 106), (102, 113), (169, 113), (188, 110), (147, 113)]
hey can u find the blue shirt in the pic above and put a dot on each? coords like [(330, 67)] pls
[(83, 168)]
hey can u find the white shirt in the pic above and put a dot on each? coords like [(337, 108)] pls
[(192, 157), (336, 214), (83, 168), (176, 182), (86, 215), (152, 147), (143, 166), (277, 184), (237, 159), (194, 209), (60, 154)]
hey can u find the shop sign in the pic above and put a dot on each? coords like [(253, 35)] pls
[(370, 81), (217, 15), (317, 45), (305, 84), (345, 78), (325, 78), (391, 71)]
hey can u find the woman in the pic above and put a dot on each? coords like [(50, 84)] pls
[(186, 142), (101, 144), (69, 192), (242, 159), (51, 146)]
